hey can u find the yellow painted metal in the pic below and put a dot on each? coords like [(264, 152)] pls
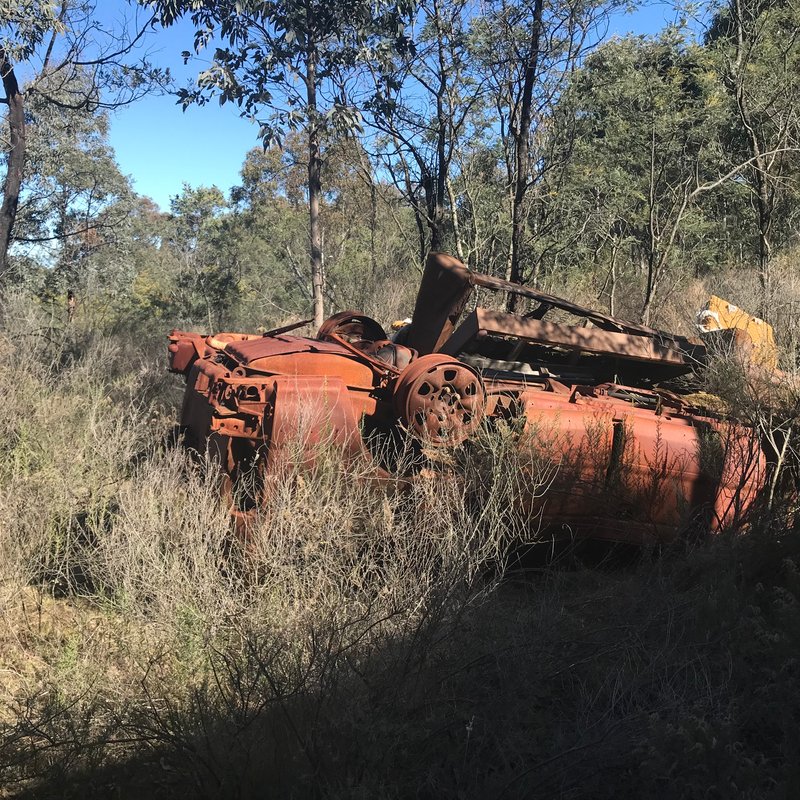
[(751, 334)]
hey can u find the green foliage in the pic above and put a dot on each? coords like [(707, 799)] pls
[(25, 24), (272, 52), (755, 48), (74, 196), (640, 174), (423, 102), (293, 61), (641, 127), (54, 43), (62, 66)]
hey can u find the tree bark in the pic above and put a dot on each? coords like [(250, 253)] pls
[(15, 162), (764, 231), (455, 223), (521, 133), (436, 209), (369, 180), (314, 191)]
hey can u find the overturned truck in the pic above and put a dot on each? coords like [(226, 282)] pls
[(634, 458)]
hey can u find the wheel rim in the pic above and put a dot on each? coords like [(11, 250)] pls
[(442, 401)]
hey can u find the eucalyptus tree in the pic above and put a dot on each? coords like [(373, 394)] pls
[(364, 225), (204, 283), (480, 204), (757, 46), (265, 237), (527, 50), (71, 174), (647, 151), (59, 52), (286, 66), (425, 103)]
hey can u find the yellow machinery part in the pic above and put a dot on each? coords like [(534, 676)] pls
[(751, 335)]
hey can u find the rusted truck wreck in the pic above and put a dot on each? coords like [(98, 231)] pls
[(633, 461)]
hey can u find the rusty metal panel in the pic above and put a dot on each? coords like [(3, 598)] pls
[(482, 322), (628, 474), (447, 285), (310, 413), (443, 293), (603, 321)]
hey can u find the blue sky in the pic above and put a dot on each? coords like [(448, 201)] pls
[(162, 147)]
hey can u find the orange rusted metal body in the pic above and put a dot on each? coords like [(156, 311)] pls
[(632, 461)]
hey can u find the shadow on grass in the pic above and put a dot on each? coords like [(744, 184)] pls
[(677, 678)]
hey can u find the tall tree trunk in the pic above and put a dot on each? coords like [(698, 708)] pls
[(314, 190), (763, 197), (647, 305), (413, 198), (436, 209), (612, 310), (764, 244), (455, 223), (15, 160), (521, 133), (373, 227)]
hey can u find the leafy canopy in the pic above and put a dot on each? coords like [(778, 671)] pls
[(271, 55)]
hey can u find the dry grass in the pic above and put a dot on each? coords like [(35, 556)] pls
[(361, 647)]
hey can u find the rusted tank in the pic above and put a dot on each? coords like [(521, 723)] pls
[(632, 461)]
